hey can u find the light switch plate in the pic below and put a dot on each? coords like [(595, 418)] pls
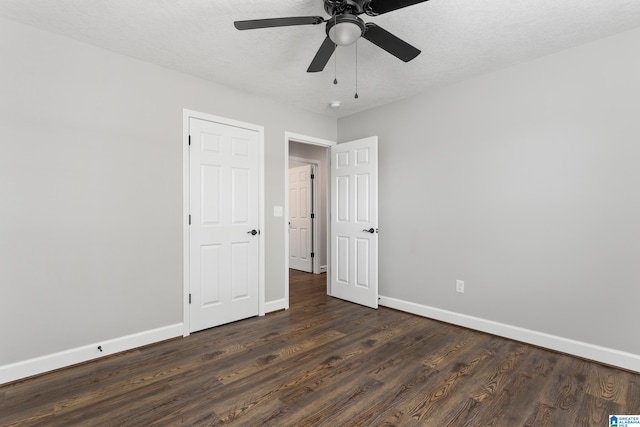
[(278, 211)]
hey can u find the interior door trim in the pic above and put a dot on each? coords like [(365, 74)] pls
[(186, 116)]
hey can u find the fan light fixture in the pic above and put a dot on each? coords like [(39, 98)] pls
[(345, 33), (345, 29)]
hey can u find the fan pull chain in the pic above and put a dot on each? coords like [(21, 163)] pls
[(335, 56), (356, 96), (335, 64)]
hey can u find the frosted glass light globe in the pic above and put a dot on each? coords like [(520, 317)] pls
[(345, 33)]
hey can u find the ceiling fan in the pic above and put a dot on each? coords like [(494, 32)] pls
[(344, 27)]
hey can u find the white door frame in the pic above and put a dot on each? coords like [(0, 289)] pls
[(186, 115), (302, 139)]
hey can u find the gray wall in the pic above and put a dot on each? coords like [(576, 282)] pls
[(91, 189), (524, 183), (320, 155)]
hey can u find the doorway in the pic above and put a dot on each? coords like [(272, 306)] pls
[(303, 230), (352, 199), (304, 150)]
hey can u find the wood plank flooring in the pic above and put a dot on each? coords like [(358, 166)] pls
[(327, 362)]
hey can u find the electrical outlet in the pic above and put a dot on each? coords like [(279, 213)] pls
[(460, 286)]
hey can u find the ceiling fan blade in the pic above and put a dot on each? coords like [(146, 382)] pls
[(278, 22), (322, 56), (387, 41), (378, 7)]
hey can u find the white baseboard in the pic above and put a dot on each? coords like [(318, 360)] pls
[(279, 304), (323, 269), (593, 352), (39, 365)]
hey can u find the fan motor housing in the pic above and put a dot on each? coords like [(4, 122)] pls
[(338, 7)]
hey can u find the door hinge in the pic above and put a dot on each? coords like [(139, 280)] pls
[(189, 139), (313, 255), (189, 219), (313, 176), (189, 298), (313, 216)]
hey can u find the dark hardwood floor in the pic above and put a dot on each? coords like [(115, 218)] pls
[(327, 362)]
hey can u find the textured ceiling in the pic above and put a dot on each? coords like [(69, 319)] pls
[(459, 39)]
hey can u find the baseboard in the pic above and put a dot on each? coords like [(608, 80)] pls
[(593, 352), (279, 304), (50, 362), (323, 269)]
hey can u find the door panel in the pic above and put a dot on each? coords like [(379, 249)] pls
[(240, 262), (210, 262), (224, 206), (210, 176), (300, 221), (362, 261), (354, 211), (342, 199), (241, 193), (363, 213)]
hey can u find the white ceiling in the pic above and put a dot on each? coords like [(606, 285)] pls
[(459, 39)]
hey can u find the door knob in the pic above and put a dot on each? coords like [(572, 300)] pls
[(253, 232), (371, 230)]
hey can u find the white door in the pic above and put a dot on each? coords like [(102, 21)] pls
[(354, 221), (224, 207), (300, 221)]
